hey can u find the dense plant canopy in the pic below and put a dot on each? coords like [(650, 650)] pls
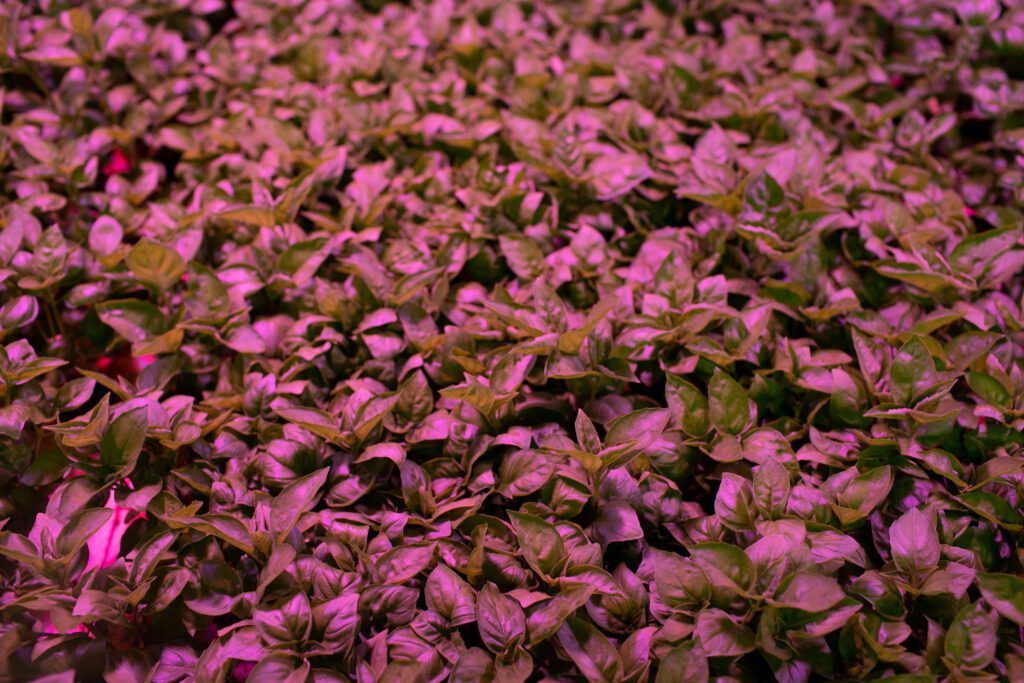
[(611, 340)]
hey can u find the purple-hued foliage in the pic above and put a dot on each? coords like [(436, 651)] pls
[(603, 340)]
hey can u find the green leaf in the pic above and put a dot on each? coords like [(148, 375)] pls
[(681, 583), (914, 541), (808, 592), (75, 394), (475, 394), (399, 565), (37, 367), (971, 639), (276, 668), (771, 488), (988, 388), (372, 413), (912, 274), (973, 253), (868, 490), (338, 620), (727, 567), (616, 521), (993, 508), (416, 488), (281, 557), (595, 657), (122, 442), (501, 620), (586, 433), (688, 406), (524, 257), (524, 472), (290, 620), (639, 426), (49, 260), (734, 503), (301, 260), (18, 312), (913, 372), (12, 421), (70, 497), (540, 543), (686, 662), (720, 636), (548, 617), (408, 287), (20, 549), (451, 597), (729, 408), (571, 341), (149, 554), (224, 527), (630, 434), (54, 55), (135, 320), (880, 591), (296, 498), (208, 299), (762, 194), (156, 265), (252, 215), (79, 529), (473, 666), (105, 236), (848, 399), (1005, 592), (315, 420)]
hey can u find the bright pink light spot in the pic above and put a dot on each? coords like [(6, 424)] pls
[(106, 542), (968, 211), (104, 363), (184, 277), (144, 361), (119, 164)]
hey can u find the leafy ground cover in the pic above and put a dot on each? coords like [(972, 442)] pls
[(610, 340)]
